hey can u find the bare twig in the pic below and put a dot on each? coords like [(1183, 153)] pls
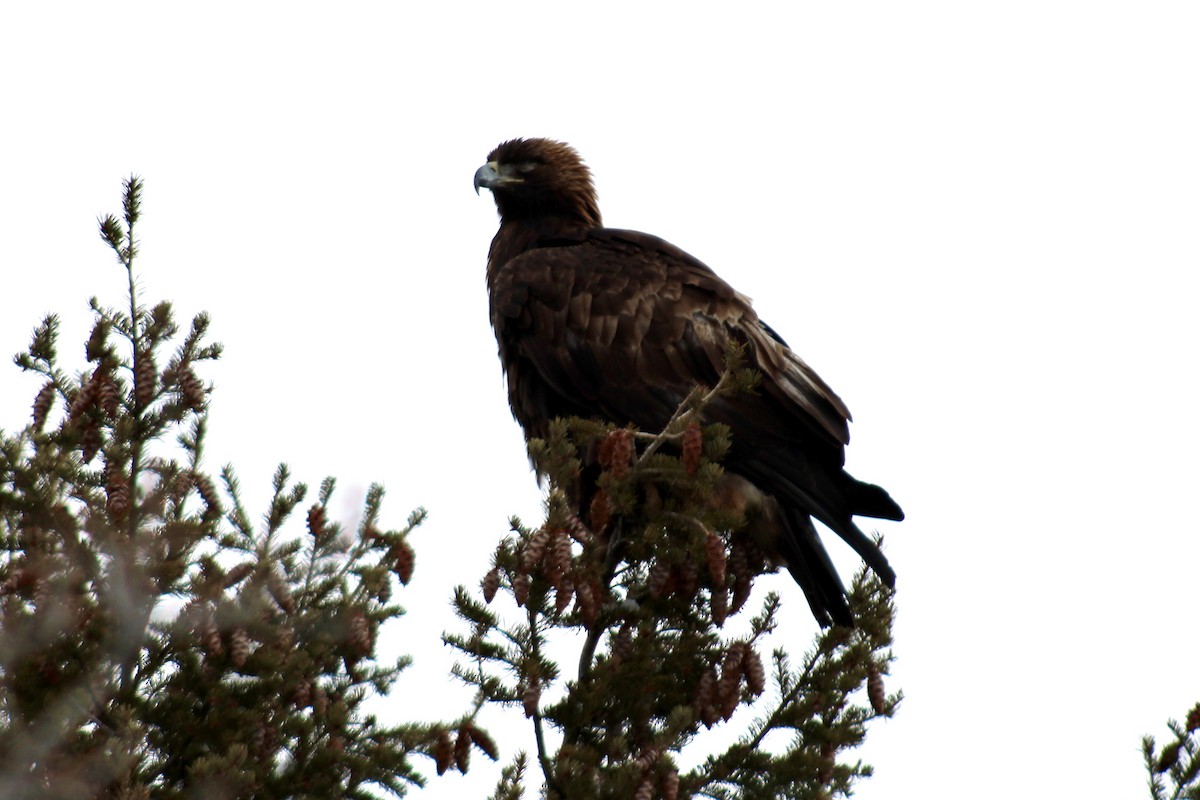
[(539, 733), (612, 558), (692, 405)]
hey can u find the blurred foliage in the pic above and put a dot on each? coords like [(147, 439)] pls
[(1174, 769), (154, 643)]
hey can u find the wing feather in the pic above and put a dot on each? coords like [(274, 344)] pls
[(592, 314)]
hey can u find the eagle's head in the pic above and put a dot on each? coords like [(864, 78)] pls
[(535, 178)]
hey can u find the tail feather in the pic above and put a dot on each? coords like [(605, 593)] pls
[(832, 497), (869, 500), (813, 570), (829, 505)]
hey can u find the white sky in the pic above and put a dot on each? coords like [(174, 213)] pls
[(979, 222)]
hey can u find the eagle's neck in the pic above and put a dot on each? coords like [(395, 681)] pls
[(520, 235)]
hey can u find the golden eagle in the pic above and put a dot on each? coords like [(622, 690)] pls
[(620, 326)]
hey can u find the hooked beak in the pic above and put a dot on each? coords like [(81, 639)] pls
[(491, 176)]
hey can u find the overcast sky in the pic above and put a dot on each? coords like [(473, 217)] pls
[(979, 222)]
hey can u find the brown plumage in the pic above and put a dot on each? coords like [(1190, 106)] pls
[(620, 326)]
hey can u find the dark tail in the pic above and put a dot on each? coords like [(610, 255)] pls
[(813, 570), (834, 498), (869, 500)]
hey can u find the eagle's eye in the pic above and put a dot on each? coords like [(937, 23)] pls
[(526, 167)]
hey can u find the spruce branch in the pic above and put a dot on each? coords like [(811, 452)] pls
[(512, 778), (1173, 771)]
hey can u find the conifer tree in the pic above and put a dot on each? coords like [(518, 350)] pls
[(654, 593), (154, 641), (1174, 770)]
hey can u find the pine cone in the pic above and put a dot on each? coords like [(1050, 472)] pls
[(599, 511), (98, 340), (191, 391), (693, 441), (85, 399), (728, 688), (647, 759), (239, 647), (462, 750), (622, 452), (579, 532), (42, 404), (719, 605), (752, 668), (89, 445), (109, 398), (360, 634), (238, 574), (562, 595), (443, 752), (670, 784), (558, 558), (622, 641), (875, 690), (756, 557), (535, 549), (403, 560), (483, 741), (144, 379), (714, 552), (316, 522), (739, 567), (491, 583), (521, 587), (116, 487), (604, 453)]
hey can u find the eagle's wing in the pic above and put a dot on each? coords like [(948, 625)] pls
[(622, 325)]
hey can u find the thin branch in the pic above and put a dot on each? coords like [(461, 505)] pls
[(547, 769), (612, 558), (688, 409), (539, 733), (689, 521)]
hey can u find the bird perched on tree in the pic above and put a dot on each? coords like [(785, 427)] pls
[(620, 326)]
